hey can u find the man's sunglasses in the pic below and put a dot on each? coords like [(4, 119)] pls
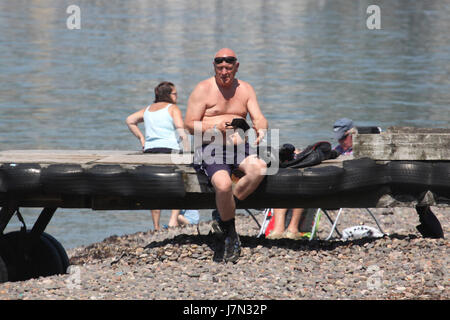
[(219, 60)]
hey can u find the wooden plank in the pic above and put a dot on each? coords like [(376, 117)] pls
[(56, 156), (108, 157), (416, 130), (49, 159), (402, 146), (148, 159)]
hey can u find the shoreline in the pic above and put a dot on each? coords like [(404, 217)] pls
[(177, 264)]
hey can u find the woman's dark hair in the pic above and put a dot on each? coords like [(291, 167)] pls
[(163, 91)]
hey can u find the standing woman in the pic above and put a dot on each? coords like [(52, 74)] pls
[(163, 123)]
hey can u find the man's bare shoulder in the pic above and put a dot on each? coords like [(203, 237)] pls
[(204, 86), (245, 85)]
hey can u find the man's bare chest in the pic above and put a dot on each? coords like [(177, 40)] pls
[(217, 105)]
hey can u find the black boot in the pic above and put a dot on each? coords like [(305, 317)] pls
[(232, 250), (215, 225)]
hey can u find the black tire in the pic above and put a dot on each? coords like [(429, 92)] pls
[(22, 177), (441, 179), (109, 180), (410, 176), (65, 179), (157, 181), (61, 251), (306, 182), (362, 173), (320, 181), (3, 271), (24, 262)]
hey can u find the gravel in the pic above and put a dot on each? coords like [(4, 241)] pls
[(179, 263)]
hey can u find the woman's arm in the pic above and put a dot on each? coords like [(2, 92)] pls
[(177, 117), (132, 123)]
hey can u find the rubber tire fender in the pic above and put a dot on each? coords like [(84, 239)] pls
[(362, 173), (65, 179), (320, 181), (109, 180), (410, 176), (157, 181), (22, 177), (441, 179), (309, 181)]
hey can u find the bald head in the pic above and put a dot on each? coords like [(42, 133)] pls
[(225, 52), (225, 66)]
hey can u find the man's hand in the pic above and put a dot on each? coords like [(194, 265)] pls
[(261, 134), (351, 131)]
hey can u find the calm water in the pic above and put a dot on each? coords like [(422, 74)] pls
[(310, 63)]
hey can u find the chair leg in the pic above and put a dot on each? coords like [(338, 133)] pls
[(265, 223), (316, 221), (251, 214), (334, 224), (376, 221)]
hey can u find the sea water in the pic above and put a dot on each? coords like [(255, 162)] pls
[(310, 62)]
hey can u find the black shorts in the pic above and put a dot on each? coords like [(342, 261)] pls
[(208, 159), (161, 150)]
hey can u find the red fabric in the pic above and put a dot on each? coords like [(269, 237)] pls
[(271, 224)]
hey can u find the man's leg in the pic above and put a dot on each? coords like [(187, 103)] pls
[(222, 184), (254, 170)]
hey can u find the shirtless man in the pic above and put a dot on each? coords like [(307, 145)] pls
[(213, 104)]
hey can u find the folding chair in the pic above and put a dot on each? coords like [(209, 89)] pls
[(335, 222), (268, 221), (268, 215)]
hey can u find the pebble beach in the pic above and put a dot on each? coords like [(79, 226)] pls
[(181, 264)]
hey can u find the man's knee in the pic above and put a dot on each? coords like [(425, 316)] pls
[(221, 182), (256, 167)]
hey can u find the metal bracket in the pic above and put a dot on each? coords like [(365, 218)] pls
[(42, 221), (6, 213)]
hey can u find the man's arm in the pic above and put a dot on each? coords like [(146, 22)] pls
[(195, 109), (260, 123)]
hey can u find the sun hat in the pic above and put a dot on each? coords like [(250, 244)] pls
[(341, 126)]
